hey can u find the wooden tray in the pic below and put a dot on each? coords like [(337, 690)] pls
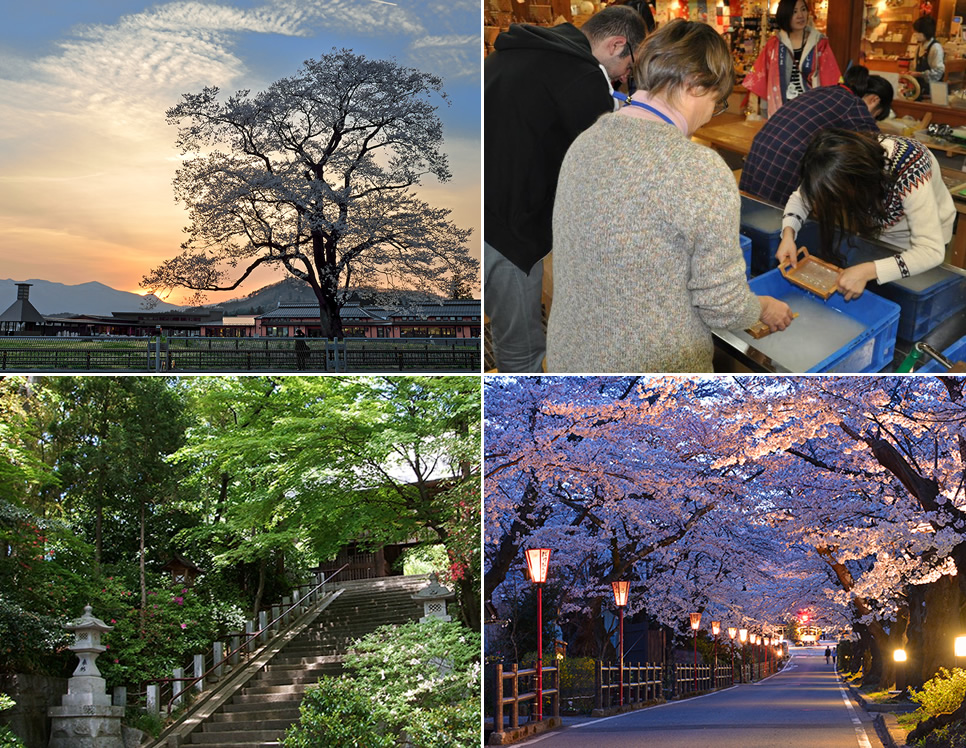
[(812, 274), (760, 330)]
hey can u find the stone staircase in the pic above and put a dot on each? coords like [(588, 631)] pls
[(259, 713)]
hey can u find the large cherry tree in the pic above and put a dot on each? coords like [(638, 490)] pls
[(315, 176)]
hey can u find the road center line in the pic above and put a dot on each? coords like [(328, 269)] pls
[(860, 734)]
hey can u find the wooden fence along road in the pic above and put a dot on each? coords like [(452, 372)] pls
[(227, 355)]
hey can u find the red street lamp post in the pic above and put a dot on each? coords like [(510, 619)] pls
[(620, 600), (732, 633), (715, 629), (538, 561), (695, 624), (743, 636)]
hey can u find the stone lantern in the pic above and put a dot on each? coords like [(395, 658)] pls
[(434, 599), (86, 718)]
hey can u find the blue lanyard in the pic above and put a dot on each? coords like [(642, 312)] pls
[(631, 102)]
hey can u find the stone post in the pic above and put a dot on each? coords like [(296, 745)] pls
[(176, 685), (199, 670), (86, 717), (217, 655), (263, 625), (235, 645), (153, 699)]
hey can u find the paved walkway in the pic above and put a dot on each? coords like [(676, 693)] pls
[(805, 705)]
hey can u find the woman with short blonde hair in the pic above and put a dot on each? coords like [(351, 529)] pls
[(646, 254)]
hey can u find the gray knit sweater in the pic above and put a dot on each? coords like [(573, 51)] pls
[(646, 256)]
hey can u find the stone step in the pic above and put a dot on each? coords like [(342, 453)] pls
[(240, 704), (309, 676), (286, 663), (266, 698), (285, 712), (259, 714), (277, 689), (242, 737)]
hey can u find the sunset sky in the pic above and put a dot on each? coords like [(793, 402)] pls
[(87, 160)]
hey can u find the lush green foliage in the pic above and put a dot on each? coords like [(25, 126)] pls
[(943, 694), (177, 623), (337, 715), (7, 738), (420, 680), (254, 479)]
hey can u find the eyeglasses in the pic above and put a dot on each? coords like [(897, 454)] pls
[(720, 108)]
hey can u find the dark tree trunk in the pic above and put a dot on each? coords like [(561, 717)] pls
[(141, 568), (507, 549), (469, 604), (262, 574)]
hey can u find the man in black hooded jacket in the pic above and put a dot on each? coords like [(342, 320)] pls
[(542, 88)]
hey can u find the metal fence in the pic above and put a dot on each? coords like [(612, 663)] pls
[(226, 355)]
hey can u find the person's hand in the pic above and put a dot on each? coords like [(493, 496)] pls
[(774, 313), (852, 280), (787, 250)]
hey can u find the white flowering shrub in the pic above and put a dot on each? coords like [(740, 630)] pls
[(7, 738), (418, 683)]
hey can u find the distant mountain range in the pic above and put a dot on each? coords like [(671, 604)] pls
[(85, 298), (95, 298)]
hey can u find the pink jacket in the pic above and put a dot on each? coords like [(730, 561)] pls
[(818, 66)]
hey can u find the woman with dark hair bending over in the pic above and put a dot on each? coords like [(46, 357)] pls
[(773, 166), (880, 186)]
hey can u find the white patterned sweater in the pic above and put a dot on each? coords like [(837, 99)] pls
[(921, 211)]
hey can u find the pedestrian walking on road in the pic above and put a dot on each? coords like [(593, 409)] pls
[(835, 652), (828, 653)]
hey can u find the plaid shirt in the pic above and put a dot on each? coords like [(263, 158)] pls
[(771, 170)]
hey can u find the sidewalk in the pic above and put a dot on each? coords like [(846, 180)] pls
[(884, 719)]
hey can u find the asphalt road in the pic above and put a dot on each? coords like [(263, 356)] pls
[(803, 706)]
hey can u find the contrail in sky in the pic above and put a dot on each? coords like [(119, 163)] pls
[(384, 2)]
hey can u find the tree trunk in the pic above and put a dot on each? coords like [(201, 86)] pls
[(262, 574), (940, 603), (98, 533), (506, 551), (141, 569), (330, 319), (469, 604)]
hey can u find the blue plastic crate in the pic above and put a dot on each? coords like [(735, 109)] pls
[(762, 223), (869, 351), (955, 352), (925, 299), (746, 251)]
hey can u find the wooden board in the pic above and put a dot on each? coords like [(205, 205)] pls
[(814, 275), (760, 330)]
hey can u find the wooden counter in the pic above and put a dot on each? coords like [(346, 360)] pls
[(730, 132), (949, 115)]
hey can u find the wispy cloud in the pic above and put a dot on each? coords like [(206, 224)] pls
[(450, 56), (85, 153)]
